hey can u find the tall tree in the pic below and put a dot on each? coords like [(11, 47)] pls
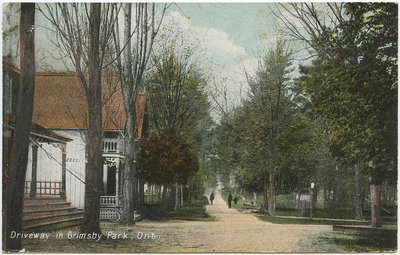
[(353, 80), (176, 91), (269, 88), (20, 146), (83, 34), (136, 46), (93, 176)]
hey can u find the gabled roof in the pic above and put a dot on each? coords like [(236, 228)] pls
[(60, 103)]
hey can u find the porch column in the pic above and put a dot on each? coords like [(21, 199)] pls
[(63, 170), (105, 176), (117, 163), (34, 170)]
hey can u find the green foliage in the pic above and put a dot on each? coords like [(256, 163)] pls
[(243, 138), (165, 158), (176, 91), (357, 89)]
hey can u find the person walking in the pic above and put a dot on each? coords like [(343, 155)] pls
[(235, 199), (212, 197), (230, 200)]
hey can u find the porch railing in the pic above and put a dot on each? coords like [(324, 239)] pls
[(108, 201), (44, 188), (109, 206), (113, 145)]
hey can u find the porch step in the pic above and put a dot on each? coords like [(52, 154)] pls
[(28, 221), (54, 224), (46, 205), (49, 214)]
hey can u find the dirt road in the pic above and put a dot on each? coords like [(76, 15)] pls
[(231, 232)]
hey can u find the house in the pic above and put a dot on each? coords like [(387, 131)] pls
[(45, 205), (60, 105), (57, 156)]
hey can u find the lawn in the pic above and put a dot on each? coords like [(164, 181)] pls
[(277, 220), (195, 211), (359, 243)]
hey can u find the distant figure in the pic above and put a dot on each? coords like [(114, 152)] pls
[(230, 200), (212, 197), (235, 199)]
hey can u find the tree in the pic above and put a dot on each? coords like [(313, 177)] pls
[(83, 33), (166, 158), (268, 90), (353, 81), (14, 197), (136, 45), (176, 91)]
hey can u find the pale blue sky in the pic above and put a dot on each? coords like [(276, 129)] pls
[(229, 32), (244, 22)]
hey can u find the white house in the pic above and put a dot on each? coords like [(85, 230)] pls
[(60, 105)]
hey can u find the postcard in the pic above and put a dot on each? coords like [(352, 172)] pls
[(199, 127)]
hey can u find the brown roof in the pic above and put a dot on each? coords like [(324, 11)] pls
[(36, 130), (60, 103)]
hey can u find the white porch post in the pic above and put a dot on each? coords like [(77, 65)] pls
[(63, 147), (117, 163), (105, 175)]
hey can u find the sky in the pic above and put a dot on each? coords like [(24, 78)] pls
[(229, 34), (232, 32)]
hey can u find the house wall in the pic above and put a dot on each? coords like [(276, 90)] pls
[(75, 189), (49, 165)]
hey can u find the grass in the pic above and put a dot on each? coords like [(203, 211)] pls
[(194, 211), (285, 204), (277, 220), (360, 243), (190, 212)]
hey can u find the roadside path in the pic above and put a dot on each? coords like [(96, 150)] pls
[(234, 232)]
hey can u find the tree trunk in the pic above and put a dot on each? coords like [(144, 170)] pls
[(190, 190), (157, 195), (176, 206), (94, 146), (272, 161), (358, 193), (271, 205), (141, 192), (265, 194), (375, 210), (164, 199), (129, 183), (333, 200), (15, 180), (325, 198), (181, 189)]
